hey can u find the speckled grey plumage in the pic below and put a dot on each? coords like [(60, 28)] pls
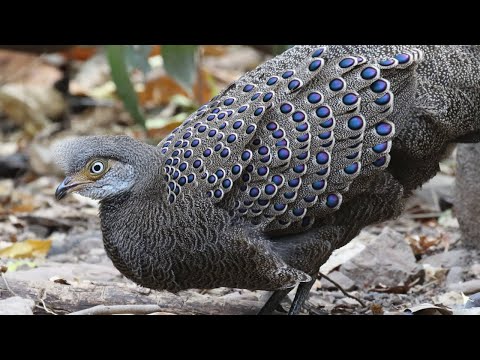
[(167, 235)]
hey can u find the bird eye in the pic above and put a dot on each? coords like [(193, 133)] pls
[(97, 168)]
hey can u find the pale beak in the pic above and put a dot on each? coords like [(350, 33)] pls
[(67, 186)]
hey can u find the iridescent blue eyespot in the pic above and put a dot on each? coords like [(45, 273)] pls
[(303, 137), (286, 108), (231, 138), (202, 129), (281, 143), (314, 97), (176, 174), (383, 128), (212, 179), (250, 129), (379, 86), (175, 162), (270, 189), (283, 154), (254, 192), (256, 142), (212, 133), (402, 58), (355, 123), (248, 88), (182, 181), (178, 143), (336, 84), (210, 117), (318, 52), (322, 157), (237, 124), (322, 172), (302, 127), (351, 169), (310, 199), (228, 101), (258, 111), (302, 156), (299, 168), (216, 110), (217, 147), (242, 108), (185, 144), (265, 159), (222, 126), (226, 183), (218, 193), (262, 171), (346, 63), (220, 173), (221, 116), (386, 62), (332, 200), (326, 135), (380, 162), (277, 179), (225, 152), (287, 74), (294, 182), (272, 126), (187, 135), (229, 112), (190, 178), (279, 207), (207, 152), (246, 155), (383, 100), (298, 211), (298, 116), (171, 185), (262, 202), (294, 84), (197, 164), (219, 136), (368, 73), (318, 185), (175, 153), (170, 138), (263, 150), (272, 81), (182, 166), (247, 202), (246, 177), (168, 162), (236, 169), (327, 124), (289, 195), (171, 198), (323, 111), (249, 168), (352, 156), (379, 148), (255, 96), (314, 65), (350, 99), (165, 145), (267, 96)]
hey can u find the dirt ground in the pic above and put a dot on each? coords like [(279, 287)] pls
[(52, 256)]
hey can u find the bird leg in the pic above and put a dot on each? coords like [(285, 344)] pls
[(274, 301), (300, 296)]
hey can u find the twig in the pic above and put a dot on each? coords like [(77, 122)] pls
[(119, 309), (320, 275), (44, 306), (6, 284)]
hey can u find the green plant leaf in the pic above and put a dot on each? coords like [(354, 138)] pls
[(180, 63), (137, 57), (116, 56)]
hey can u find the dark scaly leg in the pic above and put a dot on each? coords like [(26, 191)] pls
[(300, 296), (274, 302)]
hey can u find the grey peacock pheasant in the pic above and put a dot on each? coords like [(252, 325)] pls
[(258, 187)]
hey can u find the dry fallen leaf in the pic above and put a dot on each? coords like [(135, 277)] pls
[(27, 249), (429, 309)]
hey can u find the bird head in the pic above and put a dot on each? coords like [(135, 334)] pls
[(101, 167)]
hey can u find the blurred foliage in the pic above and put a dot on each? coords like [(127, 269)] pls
[(117, 55), (180, 63)]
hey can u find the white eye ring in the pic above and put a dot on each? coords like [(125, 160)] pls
[(97, 167)]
